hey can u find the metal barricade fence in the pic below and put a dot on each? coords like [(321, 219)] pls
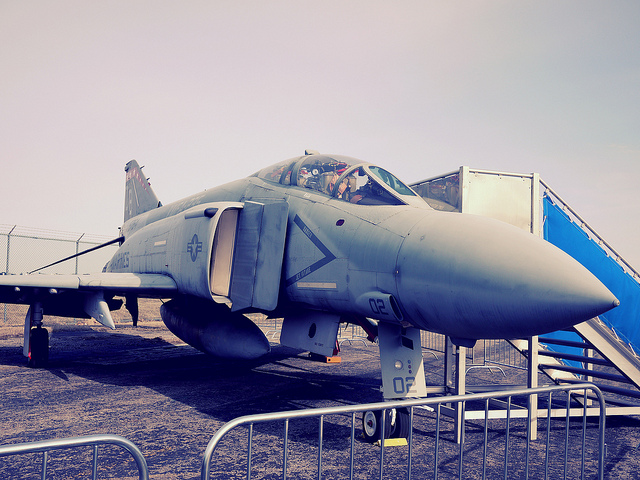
[(503, 353), (94, 441), (433, 342), (437, 403)]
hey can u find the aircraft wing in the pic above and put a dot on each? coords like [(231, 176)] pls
[(83, 295)]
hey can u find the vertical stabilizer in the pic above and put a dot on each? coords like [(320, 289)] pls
[(138, 195)]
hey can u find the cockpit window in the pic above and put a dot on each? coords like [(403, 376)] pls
[(273, 173), (320, 173), (354, 182), (391, 181), (358, 186)]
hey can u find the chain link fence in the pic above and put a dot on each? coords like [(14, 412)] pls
[(25, 249)]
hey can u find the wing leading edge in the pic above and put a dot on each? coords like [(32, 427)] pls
[(90, 295)]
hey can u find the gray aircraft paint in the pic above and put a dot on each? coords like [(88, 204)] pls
[(291, 251)]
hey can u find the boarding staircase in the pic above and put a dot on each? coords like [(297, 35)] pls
[(601, 350)]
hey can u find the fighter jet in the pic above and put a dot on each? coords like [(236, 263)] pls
[(319, 240)]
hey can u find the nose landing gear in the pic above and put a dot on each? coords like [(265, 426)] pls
[(397, 424)]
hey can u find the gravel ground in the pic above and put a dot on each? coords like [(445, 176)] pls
[(169, 399)]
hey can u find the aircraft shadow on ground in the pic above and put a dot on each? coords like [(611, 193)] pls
[(224, 389)]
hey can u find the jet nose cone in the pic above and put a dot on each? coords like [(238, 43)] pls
[(572, 294), (474, 277)]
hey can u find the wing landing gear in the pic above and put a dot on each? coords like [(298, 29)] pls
[(36, 338), (39, 347)]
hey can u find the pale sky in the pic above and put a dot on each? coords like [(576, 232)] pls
[(204, 92)]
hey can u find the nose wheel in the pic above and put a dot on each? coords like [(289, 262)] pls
[(397, 424)]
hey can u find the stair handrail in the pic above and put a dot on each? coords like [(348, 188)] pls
[(620, 260)]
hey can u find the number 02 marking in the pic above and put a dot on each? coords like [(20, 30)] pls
[(399, 384), (377, 306)]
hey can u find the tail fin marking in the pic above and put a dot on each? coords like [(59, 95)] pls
[(138, 196)]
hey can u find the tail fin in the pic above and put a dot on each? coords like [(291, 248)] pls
[(138, 195)]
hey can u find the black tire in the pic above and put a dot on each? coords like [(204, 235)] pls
[(372, 425), (39, 342), (400, 424)]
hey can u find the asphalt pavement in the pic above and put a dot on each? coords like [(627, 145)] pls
[(169, 399)]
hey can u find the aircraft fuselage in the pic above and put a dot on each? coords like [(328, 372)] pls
[(465, 276)]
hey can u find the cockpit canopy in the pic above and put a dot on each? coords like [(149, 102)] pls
[(344, 178)]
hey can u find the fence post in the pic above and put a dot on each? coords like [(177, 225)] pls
[(6, 268), (78, 250), (532, 382), (6, 271)]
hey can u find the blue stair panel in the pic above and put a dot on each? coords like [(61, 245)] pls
[(568, 236)]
